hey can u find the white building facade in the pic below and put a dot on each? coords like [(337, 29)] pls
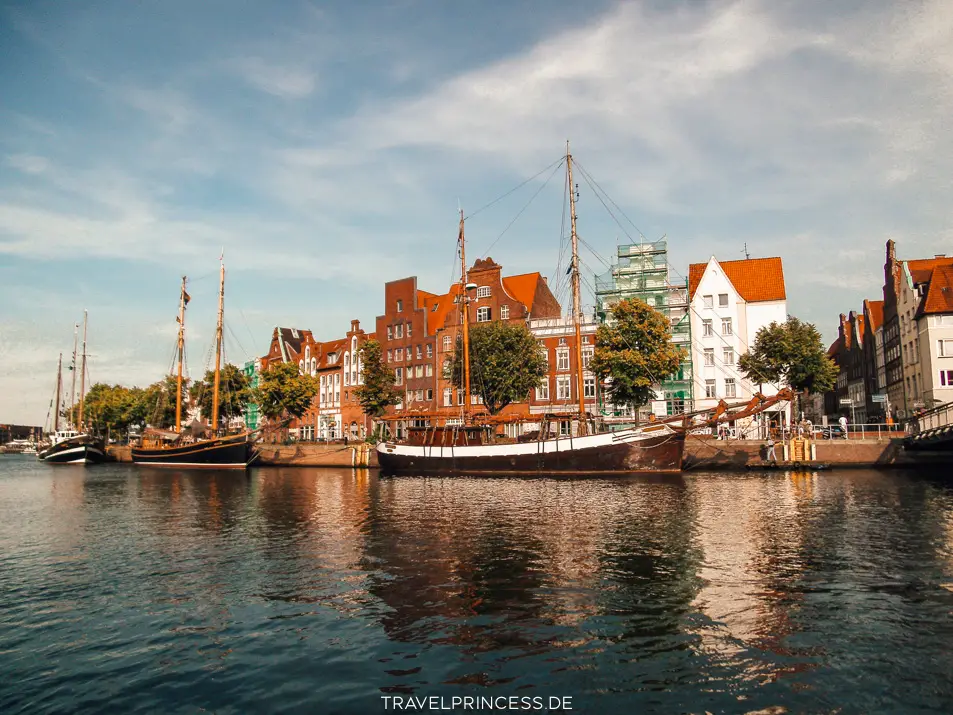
[(730, 302)]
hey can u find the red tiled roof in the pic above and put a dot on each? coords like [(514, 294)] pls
[(939, 298), (921, 268), (523, 288), (755, 279), (875, 309)]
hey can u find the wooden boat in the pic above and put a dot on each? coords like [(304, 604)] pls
[(195, 447), (72, 446), (472, 449)]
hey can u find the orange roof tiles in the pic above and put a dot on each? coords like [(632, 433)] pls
[(875, 309), (755, 279), (921, 268), (523, 288), (939, 298)]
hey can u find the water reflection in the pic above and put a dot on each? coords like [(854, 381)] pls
[(713, 592)]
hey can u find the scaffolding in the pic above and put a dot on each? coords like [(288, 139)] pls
[(641, 270)]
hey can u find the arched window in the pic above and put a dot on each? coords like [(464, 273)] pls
[(314, 367), (354, 361), (300, 367), (347, 368)]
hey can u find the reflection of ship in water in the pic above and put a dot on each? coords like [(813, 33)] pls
[(457, 562)]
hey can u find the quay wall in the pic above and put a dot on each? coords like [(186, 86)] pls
[(700, 454)]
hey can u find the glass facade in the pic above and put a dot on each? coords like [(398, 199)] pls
[(251, 409)]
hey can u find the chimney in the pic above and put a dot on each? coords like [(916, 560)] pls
[(546, 280), (891, 251), (355, 325), (840, 327)]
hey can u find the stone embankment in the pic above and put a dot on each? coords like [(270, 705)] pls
[(700, 454)]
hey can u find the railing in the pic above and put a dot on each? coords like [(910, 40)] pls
[(939, 416), (869, 431)]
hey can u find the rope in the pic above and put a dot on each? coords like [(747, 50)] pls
[(515, 188)]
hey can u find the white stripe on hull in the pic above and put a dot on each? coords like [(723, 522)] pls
[(551, 446), (208, 465)]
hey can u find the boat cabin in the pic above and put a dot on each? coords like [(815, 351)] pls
[(449, 435), (63, 435)]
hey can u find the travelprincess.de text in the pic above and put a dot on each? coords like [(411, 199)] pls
[(468, 702)]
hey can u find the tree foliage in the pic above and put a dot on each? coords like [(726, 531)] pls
[(283, 392), (634, 351), (379, 390), (506, 363), (790, 353), (159, 402), (233, 393), (114, 409)]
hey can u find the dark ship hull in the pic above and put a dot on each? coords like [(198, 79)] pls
[(223, 453), (76, 450), (656, 450)]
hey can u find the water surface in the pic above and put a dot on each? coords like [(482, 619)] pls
[(128, 589)]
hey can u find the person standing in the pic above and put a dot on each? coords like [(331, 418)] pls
[(843, 425), (771, 456)]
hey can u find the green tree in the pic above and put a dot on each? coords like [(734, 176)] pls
[(635, 351), (283, 392), (506, 363), (790, 354), (156, 403), (378, 391), (233, 393)]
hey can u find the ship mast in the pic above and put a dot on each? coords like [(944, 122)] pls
[(82, 374), (183, 299), (59, 386), (72, 392), (218, 348), (576, 302), (465, 307)]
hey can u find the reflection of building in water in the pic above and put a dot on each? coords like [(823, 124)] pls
[(458, 557)]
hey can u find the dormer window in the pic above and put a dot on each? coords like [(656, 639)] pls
[(483, 292), (332, 358), (400, 306), (294, 333)]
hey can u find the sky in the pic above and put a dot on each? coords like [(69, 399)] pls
[(326, 148)]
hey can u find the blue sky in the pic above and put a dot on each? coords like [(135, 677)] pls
[(327, 146)]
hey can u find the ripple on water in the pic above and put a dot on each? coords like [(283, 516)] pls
[(319, 590)]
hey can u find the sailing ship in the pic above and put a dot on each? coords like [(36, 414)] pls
[(72, 445), (191, 447), (470, 448)]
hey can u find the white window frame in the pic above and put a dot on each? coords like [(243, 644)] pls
[(709, 356), (589, 387), (562, 358), (587, 354), (728, 355), (722, 300), (399, 375), (708, 329), (542, 390), (484, 314), (400, 306), (731, 387), (563, 387), (944, 347), (711, 390), (447, 342), (504, 312), (708, 301), (483, 292), (448, 397), (726, 326)]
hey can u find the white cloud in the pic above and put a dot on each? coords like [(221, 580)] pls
[(282, 80)]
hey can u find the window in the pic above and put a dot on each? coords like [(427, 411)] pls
[(446, 342), (399, 354), (483, 292), (483, 314), (709, 388), (420, 395), (565, 428), (562, 341), (544, 351), (399, 374), (730, 387), (419, 371), (429, 395), (410, 329), (707, 301), (428, 370), (410, 396), (459, 396), (400, 306), (709, 356), (706, 329), (429, 350), (563, 388), (728, 356), (542, 392), (390, 355), (390, 333), (589, 387), (562, 358), (726, 326), (722, 300), (944, 348), (587, 357), (448, 397), (504, 312), (399, 330), (417, 350), (946, 378)]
